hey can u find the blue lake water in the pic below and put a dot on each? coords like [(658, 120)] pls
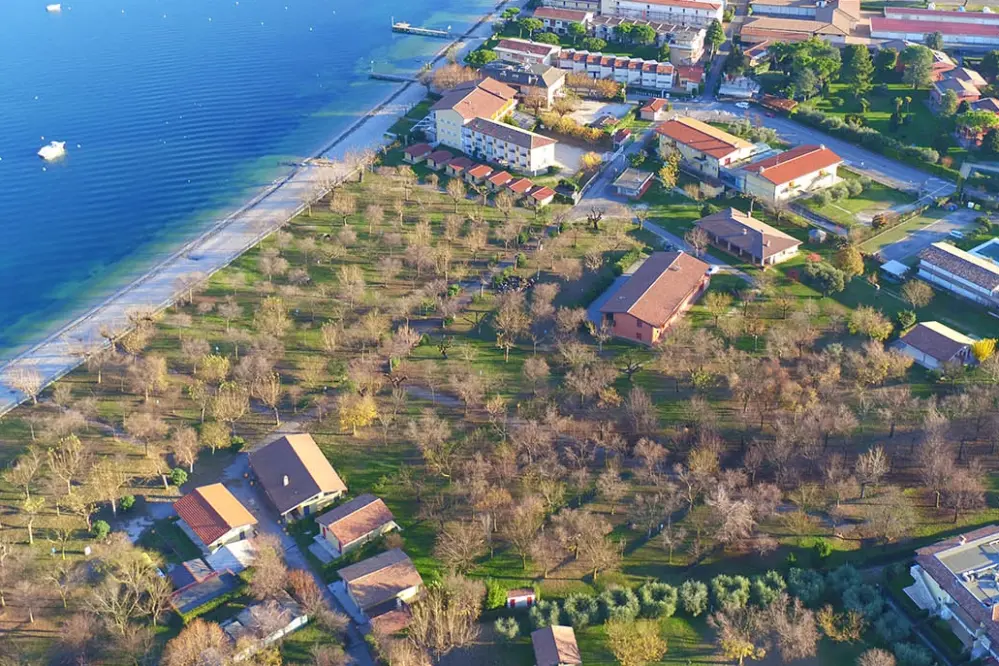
[(173, 112)]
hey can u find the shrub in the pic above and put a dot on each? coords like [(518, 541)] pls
[(657, 599), (495, 594), (507, 627), (178, 476), (838, 191), (822, 198), (910, 654), (619, 603), (823, 548), (127, 502), (544, 613), (100, 530), (581, 610), (730, 592), (906, 319), (236, 444), (521, 260), (766, 588), (865, 599), (854, 188), (694, 597), (892, 627), (843, 577), (807, 585)]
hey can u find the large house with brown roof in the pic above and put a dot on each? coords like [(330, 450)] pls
[(655, 296), (971, 29), (555, 646), (538, 81), (508, 146), (743, 235), (379, 583), (355, 523), (295, 476), (962, 273), (212, 517), (702, 147), (934, 345), (792, 173), (955, 579), (483, 99), (526, 51)]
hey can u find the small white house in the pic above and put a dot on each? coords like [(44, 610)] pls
[(932, 345), (523, 597)]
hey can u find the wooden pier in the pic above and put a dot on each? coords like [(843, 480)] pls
[(404, 27)]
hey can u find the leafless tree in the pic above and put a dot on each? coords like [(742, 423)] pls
[(459, 544), (198, 643), (447, 615), (270, 573), (25, 379), (871, 468)]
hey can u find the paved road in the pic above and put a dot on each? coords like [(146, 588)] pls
[(960, 220)]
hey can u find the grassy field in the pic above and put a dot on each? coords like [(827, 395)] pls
[(853, 210), (921, 131), (895, 234)]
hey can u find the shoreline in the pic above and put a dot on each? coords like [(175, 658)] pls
[(225, 241)]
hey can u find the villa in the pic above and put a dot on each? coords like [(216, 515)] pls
[(745, 236), (295, 476), (792, 173), (703, 148), (955, 580), (212, 517)]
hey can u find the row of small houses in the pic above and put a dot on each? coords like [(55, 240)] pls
[(480, 175), (298, 481)]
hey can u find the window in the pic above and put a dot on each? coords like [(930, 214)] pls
[(639, 323), (638, 336)]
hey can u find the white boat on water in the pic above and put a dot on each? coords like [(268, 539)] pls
[(53, 151), (53, 8)]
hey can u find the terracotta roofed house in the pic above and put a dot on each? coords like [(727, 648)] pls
[(354, 523), (955, 581), (213, 517), (555, 646), (417, 153), (802, 169), (457, 166), (558, 20), (702, 147), (655, 109), (499, 180), (540, 196), (932, 344), (437, 159), (743, 235), (521, 186), (478, 173), (296, 476), (487, 98), (655, 296), (386, 577)]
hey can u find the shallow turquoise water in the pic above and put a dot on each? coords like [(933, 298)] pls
[(173, 111)]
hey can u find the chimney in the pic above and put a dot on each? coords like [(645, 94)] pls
[(962, 539), (284, 480), (767, 244)]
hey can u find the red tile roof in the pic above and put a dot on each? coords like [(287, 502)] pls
[(501, 178), (656, 104), (212, 511), (479, 171), (473, 100), (702, 137), (554, 14), (659, 288), (418, 150), (459, 164), (440, 156), (690, 72), (356, 519), (521, 185), (795, 163), (526, 47), (542, 193), (880, 24)]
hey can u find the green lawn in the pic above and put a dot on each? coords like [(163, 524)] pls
[(875, 197), (671, 211), (921, 131), (896, 234)]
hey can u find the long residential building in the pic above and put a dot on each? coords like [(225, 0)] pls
[(961, 273), (486, 99), (558, 20), (526, 51), (745, 236), (967, 29), (834, 21), (508, 146), (684, 12), (686, 43), (585, 5), (636, 72), (792, 173), (703, 148)]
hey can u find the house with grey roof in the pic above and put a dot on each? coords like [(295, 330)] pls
[(962, 273), (933, 345)]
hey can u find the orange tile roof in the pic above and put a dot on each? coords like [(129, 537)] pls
[(795, 163), (418, 150), (380, 578), (356, 519), (501, 178), (657, 104), (473, 100), (212, 511), (521, 185), (479, 171), (702, 137), (540, 193), (298, 459), (660, 286)]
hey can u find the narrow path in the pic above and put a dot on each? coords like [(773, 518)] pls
[(917, 630)]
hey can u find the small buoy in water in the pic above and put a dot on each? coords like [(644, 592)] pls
[(79, 146), (310, 29), (36, 96), (209, 19), (44, 169)]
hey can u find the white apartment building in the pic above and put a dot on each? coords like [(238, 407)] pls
[(684, 12), (526, 51), (636, 72), (585, 5), (508, 146)]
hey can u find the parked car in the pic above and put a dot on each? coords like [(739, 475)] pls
[(742, 105), (954, 233)]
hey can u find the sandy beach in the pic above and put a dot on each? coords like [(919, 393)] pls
[(215, 249)]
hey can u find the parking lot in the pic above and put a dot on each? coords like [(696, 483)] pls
[(960, 221)]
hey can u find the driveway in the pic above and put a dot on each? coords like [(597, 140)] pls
[(960, 220)]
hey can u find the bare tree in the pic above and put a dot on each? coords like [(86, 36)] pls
[(270, 573), (198, 643), (145, 427), (459, 544), (447, 616), (25, 379), (871, 468)]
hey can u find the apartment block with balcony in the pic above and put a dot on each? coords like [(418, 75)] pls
[(508, 146)]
